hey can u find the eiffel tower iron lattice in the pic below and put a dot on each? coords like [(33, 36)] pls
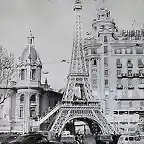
[(77, 101)]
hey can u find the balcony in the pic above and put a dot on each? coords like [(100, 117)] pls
[(130, 86), (119, 75), (141, 86), (130, 65), (130, 75), (119, 86), (136, 75), (119, 65), (141, 65), (124, 75)]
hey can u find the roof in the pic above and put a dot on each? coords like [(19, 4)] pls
[(29, 53)]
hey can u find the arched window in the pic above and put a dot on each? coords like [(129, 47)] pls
[(33, 74), (33, 98), (105, 39), (22, 98), (23, 74)]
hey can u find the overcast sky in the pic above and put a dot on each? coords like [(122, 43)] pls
[(51, 22)]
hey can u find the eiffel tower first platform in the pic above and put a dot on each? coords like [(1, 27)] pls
[(77, 101)]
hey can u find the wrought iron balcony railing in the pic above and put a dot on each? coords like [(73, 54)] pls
[(130, 86), (119, 86), (119, 65)]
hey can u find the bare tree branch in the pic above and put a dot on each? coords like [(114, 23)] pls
[(8, 73)]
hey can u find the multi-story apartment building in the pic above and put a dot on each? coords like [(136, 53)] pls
[(114, 59)]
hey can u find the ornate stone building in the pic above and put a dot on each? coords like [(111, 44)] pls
[(30, 99), (115, 63)]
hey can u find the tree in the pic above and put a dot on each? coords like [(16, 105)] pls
[(8, 74)]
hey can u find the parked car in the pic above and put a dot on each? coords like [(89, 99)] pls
[(5, 138), (130, 139), (32, 138)]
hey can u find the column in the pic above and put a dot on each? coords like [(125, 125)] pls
[(26, 125), (37, 103), (17, 108)]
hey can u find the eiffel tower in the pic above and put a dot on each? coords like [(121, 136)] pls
[(77, 101)]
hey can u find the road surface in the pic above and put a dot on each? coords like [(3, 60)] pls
[(89, 140)]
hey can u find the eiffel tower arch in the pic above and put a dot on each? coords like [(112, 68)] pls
[(68, 113), (77, 101)]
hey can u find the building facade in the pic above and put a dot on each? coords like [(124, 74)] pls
[(114, 59), (30, 98)]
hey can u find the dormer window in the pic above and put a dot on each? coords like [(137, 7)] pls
[(128, 51), (118, 51), (139, 50), (105, 39)]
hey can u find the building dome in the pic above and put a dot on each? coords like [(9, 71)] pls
[(29, 53)]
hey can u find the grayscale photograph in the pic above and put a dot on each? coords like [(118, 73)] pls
[(71, 71)]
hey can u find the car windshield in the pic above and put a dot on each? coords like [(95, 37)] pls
[(131, 138), (20, 138)]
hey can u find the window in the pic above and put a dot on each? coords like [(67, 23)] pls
[(106, 72), (119, 104), (93, 51), (22, 98), (23, 74), (105, 39), (141, 104), (33, 98), (106, 62), (141, 81), (94, 62), (94, 73), (32, 111), (119, 81), (105, 50), (21, 112), (140, 63), (129, 61), (86, 52), (94, 81), (139, 50), (118, 72), (87, 64), (33, 74), (118, 61), (129, 72), (129, 81), (106, 82), (130, 104)]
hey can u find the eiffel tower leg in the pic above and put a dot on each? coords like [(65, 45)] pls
[(60, 121)]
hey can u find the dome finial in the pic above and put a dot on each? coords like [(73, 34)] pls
[(30, 38)]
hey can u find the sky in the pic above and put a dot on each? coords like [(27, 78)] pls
[(52, 24)]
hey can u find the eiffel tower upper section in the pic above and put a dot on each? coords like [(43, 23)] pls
[(78, 87)]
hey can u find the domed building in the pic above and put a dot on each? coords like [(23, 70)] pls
[(30, 99)]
